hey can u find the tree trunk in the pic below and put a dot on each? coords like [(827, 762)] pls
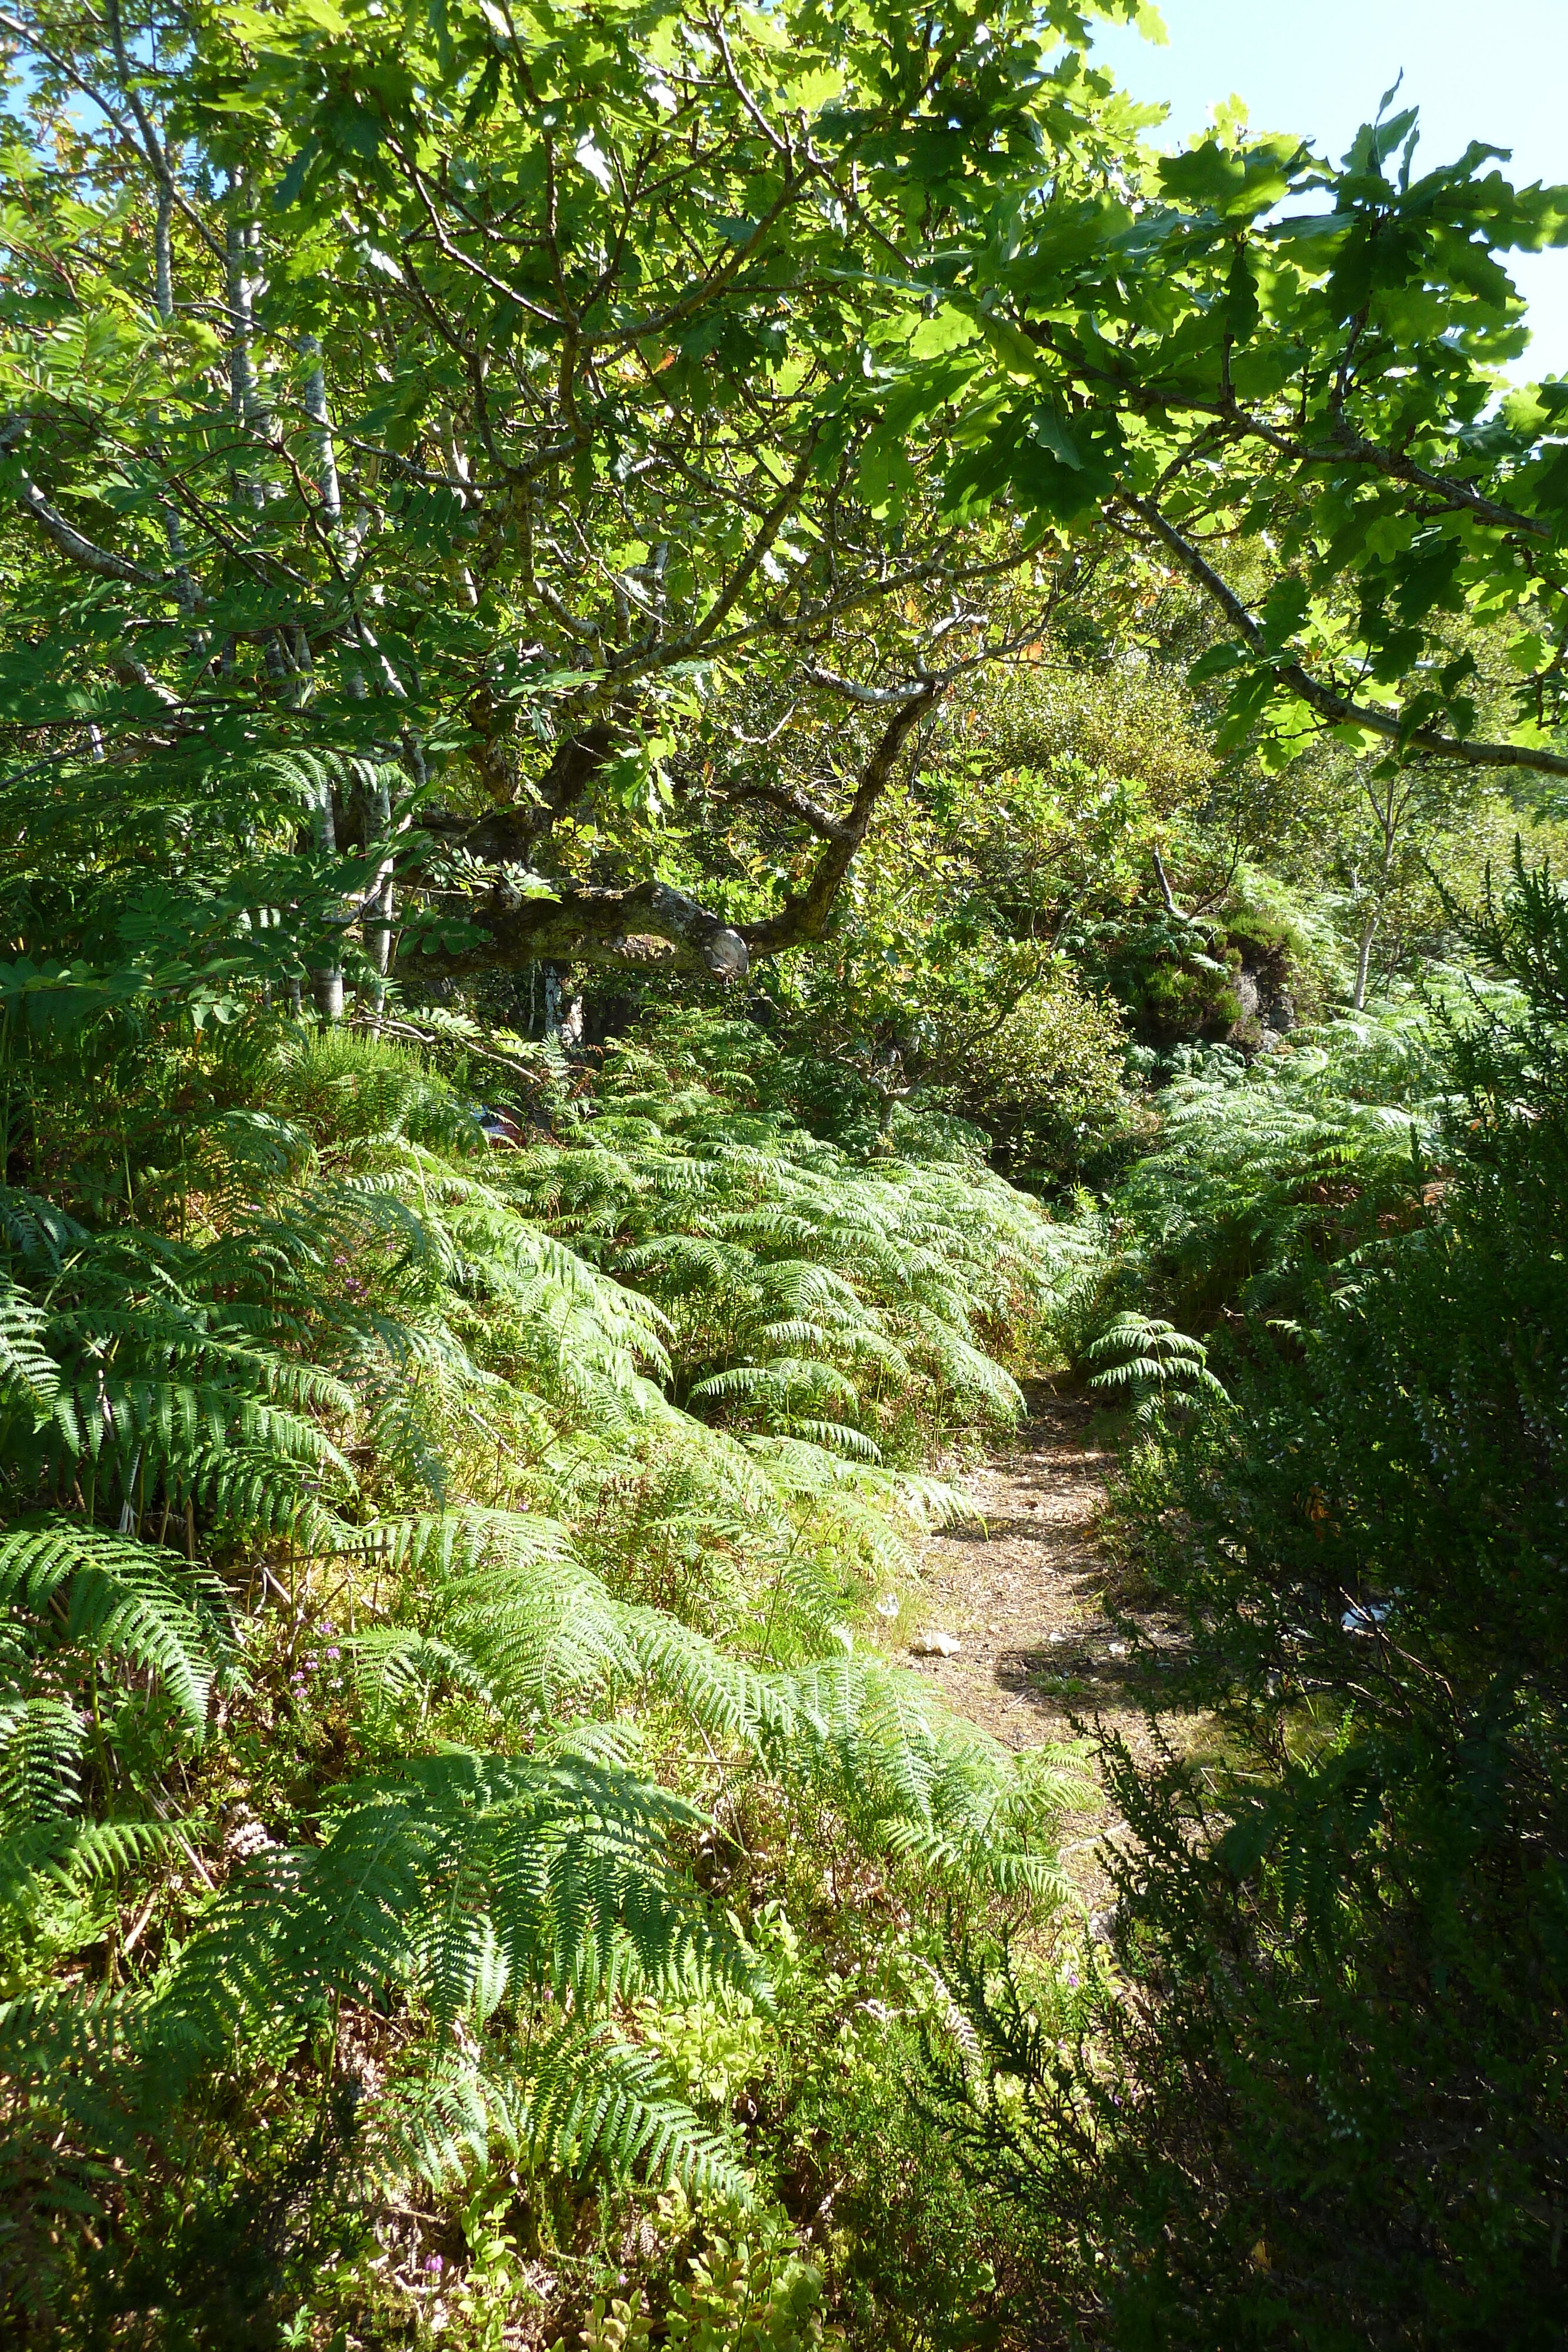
[(1364, 958), (326, 985)]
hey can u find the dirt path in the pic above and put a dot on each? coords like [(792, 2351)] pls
[(1021, 1591)]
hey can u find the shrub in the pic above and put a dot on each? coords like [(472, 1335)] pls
[(1316, 2094)]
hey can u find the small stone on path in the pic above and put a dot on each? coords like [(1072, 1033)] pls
[(933, 1644)]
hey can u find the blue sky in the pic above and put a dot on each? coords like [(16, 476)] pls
[(1492, 69)]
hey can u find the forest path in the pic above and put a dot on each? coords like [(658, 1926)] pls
[(1021, 1587)]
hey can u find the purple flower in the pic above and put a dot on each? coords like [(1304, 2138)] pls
[(332, 1654), (435, 2263)]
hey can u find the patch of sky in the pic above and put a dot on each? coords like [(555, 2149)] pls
[(1496, 73)]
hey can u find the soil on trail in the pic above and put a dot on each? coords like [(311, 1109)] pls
[(1021, 1590)]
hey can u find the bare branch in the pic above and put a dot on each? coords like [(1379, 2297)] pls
[(773, 522), (65, 535), (794, 804), (804, 915), (873, 697)]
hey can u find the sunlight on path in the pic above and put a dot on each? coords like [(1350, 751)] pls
[(1022, 1592)]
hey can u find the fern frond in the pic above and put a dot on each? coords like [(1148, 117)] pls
[(612, 2102), (28, 1373), (122, 1598), (576, 2101), (455, 1873), (41, 1741)]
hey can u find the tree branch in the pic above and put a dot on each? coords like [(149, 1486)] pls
[(652, 925), (871, 698), (1340, 709), (510, 834), (804, 915), (65, 535), (1234, 423), (819, 820)]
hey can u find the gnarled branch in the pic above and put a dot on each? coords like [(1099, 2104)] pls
[(804, 915), (811, 813), (651, 926)]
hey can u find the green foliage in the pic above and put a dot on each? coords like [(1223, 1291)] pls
[(1329, 2115), (827, 1300), (1334, 365), (487, 496), (350, 510), (914, 2255), (1176, 975), (746, 2297), (1262, 1174), (364, 1406), (1043, 1079), (1149, 1366)]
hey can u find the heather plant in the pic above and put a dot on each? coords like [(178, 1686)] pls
[(1309, 2092)]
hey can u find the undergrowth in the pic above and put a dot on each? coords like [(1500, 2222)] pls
[(433, 1696), (1309, 2090)]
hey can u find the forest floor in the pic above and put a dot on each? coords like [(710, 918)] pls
[(1021, 1588)]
